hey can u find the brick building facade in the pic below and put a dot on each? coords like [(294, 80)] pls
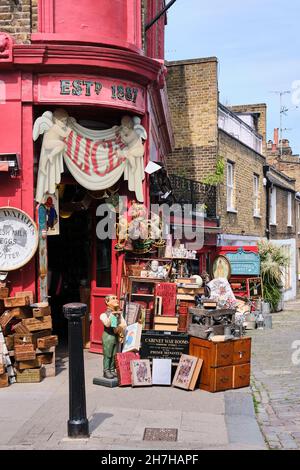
[(19, 19), (205, 132), (282, 223), (193, 99), (281, 156)]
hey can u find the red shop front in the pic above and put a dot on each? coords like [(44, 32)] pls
[(97, 80)]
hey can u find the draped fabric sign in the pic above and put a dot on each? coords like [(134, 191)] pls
[(96, 159)]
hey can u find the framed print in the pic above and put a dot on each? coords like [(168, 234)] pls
[(141, 373), (184, 372), (221, 267), (254, 288)]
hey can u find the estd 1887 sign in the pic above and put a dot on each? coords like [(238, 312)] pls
[(18, 238)]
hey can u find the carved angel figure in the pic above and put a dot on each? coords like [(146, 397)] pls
[(55, 130), (132, 134)]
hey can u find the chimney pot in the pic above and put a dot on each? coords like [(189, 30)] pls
[(276, 132)]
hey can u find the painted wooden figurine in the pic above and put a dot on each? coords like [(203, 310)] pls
[(114, 328)]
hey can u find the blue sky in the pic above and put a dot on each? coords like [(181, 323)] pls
[(257, 43)]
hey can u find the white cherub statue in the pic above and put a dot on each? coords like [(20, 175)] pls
[(55, 130), (133, 134)]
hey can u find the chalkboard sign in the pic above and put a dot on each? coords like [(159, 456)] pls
[(244, 263), (164, 345)]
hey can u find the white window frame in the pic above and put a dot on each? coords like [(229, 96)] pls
[(273, 206), (230, 187), (289, 210), (256, 208)]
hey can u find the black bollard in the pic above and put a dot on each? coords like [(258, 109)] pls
[(78, 425)]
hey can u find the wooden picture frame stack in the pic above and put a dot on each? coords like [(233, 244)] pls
[(27, 330)]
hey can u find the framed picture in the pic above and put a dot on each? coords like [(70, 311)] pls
[(254, 288), (140, 373), (132, 337), (221, 268), (51, 203), (184, 372)]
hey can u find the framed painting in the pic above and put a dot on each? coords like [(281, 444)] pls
[(254, 288), (140, 372), (221, 268), (184, 372)]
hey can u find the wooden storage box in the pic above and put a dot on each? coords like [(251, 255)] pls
[(20, 301), (3, 380), (36, 324), (41, 311), (21, 312), (9, 341), (22, 365), (4, 291), (225, 365), (5, 318), (20, 329), (45, 358), (27, 293), (47, 342), (29, 375), (24, 352), (26, 338)]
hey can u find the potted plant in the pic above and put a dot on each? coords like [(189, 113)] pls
[(273, 261)]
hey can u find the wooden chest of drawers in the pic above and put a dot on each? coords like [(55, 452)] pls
[(225, 365)]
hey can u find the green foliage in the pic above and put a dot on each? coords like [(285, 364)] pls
[(273, 261), (218, 176)]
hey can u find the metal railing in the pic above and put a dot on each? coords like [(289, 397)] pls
[(187, 191)]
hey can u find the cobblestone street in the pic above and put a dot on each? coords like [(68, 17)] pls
[(276, 380)]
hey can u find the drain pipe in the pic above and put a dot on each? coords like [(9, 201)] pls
[(159, 15)]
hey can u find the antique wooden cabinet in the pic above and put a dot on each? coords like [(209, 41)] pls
[(225, 365)]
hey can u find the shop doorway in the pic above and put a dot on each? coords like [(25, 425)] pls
[(69, 257)]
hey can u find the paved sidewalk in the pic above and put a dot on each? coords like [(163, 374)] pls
[(34, 416), (276, 379)]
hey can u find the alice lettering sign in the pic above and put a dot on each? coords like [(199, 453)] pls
[(18, 238), (85, 89)]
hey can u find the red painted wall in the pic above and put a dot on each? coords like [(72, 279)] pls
[(111, 22), (16, 137)]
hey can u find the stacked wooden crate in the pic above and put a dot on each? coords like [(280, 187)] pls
[(28, 335)]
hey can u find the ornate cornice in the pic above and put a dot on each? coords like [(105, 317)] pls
[(43, 58)]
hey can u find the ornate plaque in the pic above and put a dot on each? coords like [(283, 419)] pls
[(18, 238), (164, 345)]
